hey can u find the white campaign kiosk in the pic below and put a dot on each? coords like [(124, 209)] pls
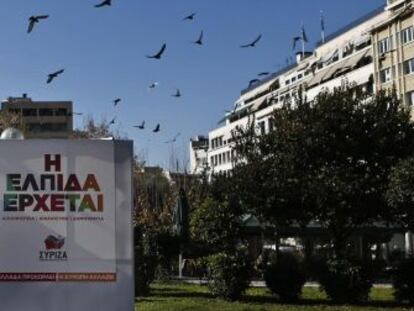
[(66, 236)]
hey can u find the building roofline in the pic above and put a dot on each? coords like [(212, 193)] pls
[(270, 77), (351, 25), (330, 37)]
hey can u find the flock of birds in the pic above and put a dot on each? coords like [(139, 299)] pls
[(34, 20)]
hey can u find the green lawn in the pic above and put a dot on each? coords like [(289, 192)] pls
[(178, 297)]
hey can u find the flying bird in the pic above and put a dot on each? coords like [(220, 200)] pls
[(263, 74), (117, 101), (200, 39), (174, 139), (54, 75), (159, 54), (189, 17), (153, 85), (104, 3), (112, 121), (157, 128), (252, 82), (253, 44), (177, 94), (34, 20), (141, 127)]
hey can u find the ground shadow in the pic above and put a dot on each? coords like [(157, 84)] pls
[(319, 302), (182, 294)]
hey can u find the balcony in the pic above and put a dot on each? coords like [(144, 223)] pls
[(392, 4)]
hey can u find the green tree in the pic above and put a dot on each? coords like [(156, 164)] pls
[(327, 160), (216, 224), (93, 129), (400, 194), (10, 119)]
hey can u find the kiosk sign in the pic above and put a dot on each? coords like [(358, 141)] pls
[(57, 214)]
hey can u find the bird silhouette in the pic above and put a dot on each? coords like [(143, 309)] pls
[(157, 128), (177, 94), (153, 85), (112, 121), (253, 44), (117, 101), (141, 127), (159, 54), (34, 20), (252, 82), (262, 74), (54, 75), (189, 17), (174, 139), (200, 39), (104, 3)]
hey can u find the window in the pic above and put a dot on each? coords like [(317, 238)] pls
[(384, 45), (385, 75), (61, 112), (287, 82), (215, 160), (300, 76), (409, 98), (407, 35), (47, 127), (45, 112), (55, 127), (219, 159), (409, 66), (29, 112), (262, 127), (228, 157), (271, 127), (293, 79)]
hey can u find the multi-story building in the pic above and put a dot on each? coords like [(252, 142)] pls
[(198, 154), (374, 52), (42, 119), (393, 46)]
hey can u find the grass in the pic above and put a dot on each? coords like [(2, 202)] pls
[(180, 297)]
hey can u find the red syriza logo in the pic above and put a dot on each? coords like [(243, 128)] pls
[(53, 242), (53, 249)]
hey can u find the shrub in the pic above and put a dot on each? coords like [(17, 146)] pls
[(144, 265), (144, 272), (403, 278), (285, 277), (345, 282), (229, 274)]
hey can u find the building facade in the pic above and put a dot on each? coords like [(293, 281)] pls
[(373, 53), (198, 154), (393, 46), (42, 119)]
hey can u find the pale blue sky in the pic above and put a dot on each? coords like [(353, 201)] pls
[(103, 52)]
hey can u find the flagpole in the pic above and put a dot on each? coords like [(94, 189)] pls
[(303, 41), (322, 27)]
